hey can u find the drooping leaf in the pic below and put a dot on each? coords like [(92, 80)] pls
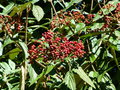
[(84, 76), (32, 73), (37, 12), (24, 48), (70, 80)]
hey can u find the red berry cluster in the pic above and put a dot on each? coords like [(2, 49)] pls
[(64, 18), (108, 6), (53, 47), (117, 12), (118, 8), (10, 24)]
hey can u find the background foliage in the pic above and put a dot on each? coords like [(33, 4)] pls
[(59, 44)]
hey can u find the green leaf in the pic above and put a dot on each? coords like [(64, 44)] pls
[(7, 41), (1, 49), (84, 76), (80, 26), (93, 34), (25, 49), (8, 8), (11, 64), (114, 57), (6, 67), (117, 33), (38, 77), (97, 26), (34, 1), (70, 80), (44, 72), (49, 68), (20, 8), (1, 6), (92, 58), (37, 12), (13, 53), (68, 5), (32, 73), (99, 79), (97, 16), (93, 74)]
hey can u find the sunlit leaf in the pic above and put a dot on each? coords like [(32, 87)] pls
[(32, 73), (8, 8), (11, 64), (38, 12), (70, 80), (84, 76)]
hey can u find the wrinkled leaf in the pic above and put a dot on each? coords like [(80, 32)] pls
[(70, 80)]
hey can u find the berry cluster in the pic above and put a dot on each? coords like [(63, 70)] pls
[(118, 8), (10, 24), (53, 47), (64, 18)]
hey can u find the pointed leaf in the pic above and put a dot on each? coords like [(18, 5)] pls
[(84, 76)]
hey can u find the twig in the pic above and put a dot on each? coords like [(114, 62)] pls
[(53, 7), (91, 5), (26, 26)]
